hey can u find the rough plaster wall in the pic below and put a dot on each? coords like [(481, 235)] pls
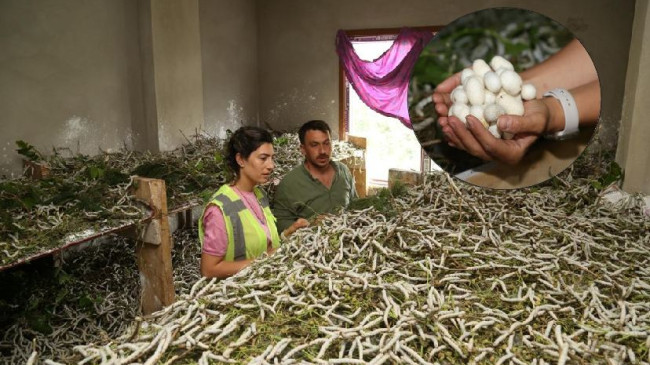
[(177, 70), (299, 66), (64, 76), (229, 53)]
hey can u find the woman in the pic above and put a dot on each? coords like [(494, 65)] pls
[(237, 224)]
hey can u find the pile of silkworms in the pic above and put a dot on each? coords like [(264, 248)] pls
[(99, 300), (100, 296), (48, 213), (452, 274)]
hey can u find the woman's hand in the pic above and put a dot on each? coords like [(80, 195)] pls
[(442, 95), (478, 141), (540, 116)]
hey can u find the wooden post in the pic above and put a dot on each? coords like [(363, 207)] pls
[(36, 170), (153, 249), (357, 165)]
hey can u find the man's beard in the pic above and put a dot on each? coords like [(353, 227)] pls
[(317, 161)]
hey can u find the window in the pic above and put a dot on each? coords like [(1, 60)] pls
[(390, 144)]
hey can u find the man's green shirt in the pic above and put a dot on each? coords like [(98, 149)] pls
[(300, 195)]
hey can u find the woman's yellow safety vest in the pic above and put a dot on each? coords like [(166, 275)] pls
[(246, 236)]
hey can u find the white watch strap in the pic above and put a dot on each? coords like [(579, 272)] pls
[(571, 116)]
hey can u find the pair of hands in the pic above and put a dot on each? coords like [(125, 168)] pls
[(478, 141)]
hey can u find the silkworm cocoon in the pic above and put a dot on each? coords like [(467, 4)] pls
[(458, 95), (495, 131), (465, 74), (511, 104), (474, 90), (490, 97), (460, 111), (480, 67), (498, 61), (511, 82), (492, 112), (477, 111), (480, 80), (492, 81), (500, 70), (528, 92)]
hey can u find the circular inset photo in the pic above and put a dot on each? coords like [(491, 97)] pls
[(504, 98)]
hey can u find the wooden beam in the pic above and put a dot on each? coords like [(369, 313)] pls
[(36, 170), (358, 142), (406, 177), (153, 249), (357, 165)]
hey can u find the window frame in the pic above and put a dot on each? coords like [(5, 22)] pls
[(344, 97)]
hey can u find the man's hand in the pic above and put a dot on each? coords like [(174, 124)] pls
[(299, 223)]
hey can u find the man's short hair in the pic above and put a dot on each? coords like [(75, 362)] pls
[(317, 125)]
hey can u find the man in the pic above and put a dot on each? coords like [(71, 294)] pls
[(317, 186)]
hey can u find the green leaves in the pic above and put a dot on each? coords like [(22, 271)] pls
[(28, 151), (17, 196), (95, 172), (614, 173), (281, 141)]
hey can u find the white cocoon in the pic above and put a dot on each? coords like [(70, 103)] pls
[(511, 82), (500, 70), (475, 92), (477, 111), (528, 92), (511, 104), (458, 95), (498, 61), (492, 81), (492, 112), (480, 67), (460, 111), (490, 97), (465, 74), (495, 131)]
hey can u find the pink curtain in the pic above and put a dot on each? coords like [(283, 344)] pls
[(383, 83)]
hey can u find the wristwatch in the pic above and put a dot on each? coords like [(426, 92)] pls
[(571, 116)]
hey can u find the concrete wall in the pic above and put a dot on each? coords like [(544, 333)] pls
[(633, 153), (66, 74), (177, 82), (79, 73), (229, 53), (299, 66)]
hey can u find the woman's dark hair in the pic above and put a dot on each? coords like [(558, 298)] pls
[(244, 141)]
